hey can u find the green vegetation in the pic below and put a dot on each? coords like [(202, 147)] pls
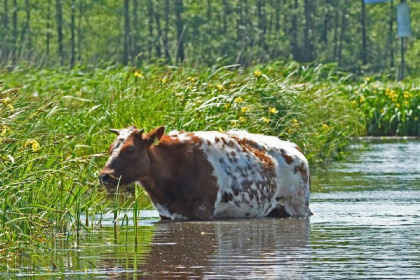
[(54, 122), (389, 108), (359, 38)]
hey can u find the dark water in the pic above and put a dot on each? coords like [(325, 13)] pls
[(367, 226)]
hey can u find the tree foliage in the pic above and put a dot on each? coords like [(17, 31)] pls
[(68, 32)]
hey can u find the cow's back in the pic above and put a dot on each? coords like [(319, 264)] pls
[(256, 174)]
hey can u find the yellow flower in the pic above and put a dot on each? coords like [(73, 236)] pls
[(242, 119), (227, 105), (362, 98), (367, 79), (264, 119), (398, 105), (33, 144), (325, 126), (235, 122), (3, 130), (272, 110), (11, 108), (138, 74), (5, 101), (191, 79), (238, 100), (244, 109), (219, 87), (257, 73), (164, 80), (295, 122)]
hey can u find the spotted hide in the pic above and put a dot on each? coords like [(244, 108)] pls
[(210, 175)]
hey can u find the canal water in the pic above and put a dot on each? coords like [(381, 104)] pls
[(366, 226)]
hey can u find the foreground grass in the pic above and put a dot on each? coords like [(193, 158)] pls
[(53, 131)]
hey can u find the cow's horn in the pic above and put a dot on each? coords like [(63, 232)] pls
[(116, 131)]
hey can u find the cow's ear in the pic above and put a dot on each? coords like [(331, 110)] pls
[(154, 136)]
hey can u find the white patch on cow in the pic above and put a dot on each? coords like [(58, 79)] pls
[(163, 211)]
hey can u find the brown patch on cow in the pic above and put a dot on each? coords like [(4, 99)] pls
[(181, 178), (297, 148), (287, 158), (217, 140), (303, 172), (227, 197)]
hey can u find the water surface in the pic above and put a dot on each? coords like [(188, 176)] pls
[(366, 226)]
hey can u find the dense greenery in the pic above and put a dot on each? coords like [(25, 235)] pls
[(54, 130), (389, 108), (357, 37)]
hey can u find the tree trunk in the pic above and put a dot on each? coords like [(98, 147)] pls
[(179, 9), (336, 23), (277, 16), (126, 31), (150, 23), (73, 35), (6, 28), (342, 32), (28, 28), (262, 24), (165, 36), (134, 28), (391, 37), (79, 31), (158, 47), (59, 16), (364, 40), (294, 32), (307, 43), (15, 32), (48, 28)]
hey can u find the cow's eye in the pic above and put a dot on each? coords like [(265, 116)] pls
[(129, 150)]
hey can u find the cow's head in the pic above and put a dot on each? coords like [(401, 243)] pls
[(128, 161)]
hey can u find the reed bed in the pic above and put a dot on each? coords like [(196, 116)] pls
[(54, 122)]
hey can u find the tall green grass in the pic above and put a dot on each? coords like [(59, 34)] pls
[(389, 108), (54, 122)]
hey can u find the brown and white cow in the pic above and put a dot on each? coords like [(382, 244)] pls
[(209, 175)]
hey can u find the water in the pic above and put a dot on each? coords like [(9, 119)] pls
[(367, 226)]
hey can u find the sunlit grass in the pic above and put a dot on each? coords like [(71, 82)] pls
[(390, 108)]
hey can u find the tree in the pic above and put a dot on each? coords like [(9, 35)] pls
[(59, 19), (73, 35), (364, 40), (307, 43), (126, 31), (179, 9)]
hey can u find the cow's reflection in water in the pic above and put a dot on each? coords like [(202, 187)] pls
[(269, 248)]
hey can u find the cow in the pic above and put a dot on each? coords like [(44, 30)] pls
[(209, 175)]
